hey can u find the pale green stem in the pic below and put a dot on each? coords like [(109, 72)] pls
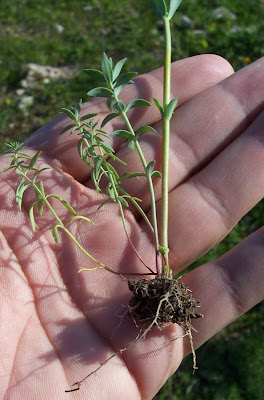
[(151, 190), (166, 143)]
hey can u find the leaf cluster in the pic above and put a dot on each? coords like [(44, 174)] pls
[(96, 153), (161, 9), (25, 167)]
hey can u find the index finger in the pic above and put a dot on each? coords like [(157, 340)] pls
[(189, 77)]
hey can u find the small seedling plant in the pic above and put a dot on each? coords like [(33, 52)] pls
[(156, 298)]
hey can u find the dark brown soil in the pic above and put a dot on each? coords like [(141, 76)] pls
[(162, 300)]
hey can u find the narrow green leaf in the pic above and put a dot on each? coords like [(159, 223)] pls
[(170, 108), (95, 181), (95, 74), (131, 143), (117, 159), (132, 198), (80, 148), (124, 79), (63, 202), (118, 68), (76, 128), (39, 200), (157, 174), (110, 191), (88, 116), (119, 106), (68, 206), (101, 133), (174, 4), (77, 109), (103, 203), (110, 103), (31, 217), (159, 106), (40, 206), (36, 174), (107, 147), (107, 68), (122, 201), (55, 233), (78, 217), (18, 168), (97, 165), (113, 170), (129, 175), (24, 155), (42, 189), (137, 103), (66, 128), (118, 90), (122, 133), (7, 168), (149, 167), (160, 8), (108, 118), (33, 160), (144, 129), (19, 194), (100, 92), (69, 114)]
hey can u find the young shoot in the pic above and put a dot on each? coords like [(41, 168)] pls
[(155, 302)]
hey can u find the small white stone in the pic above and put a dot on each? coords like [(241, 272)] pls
[(236, 29), (20, 92), (187, 22), (59, 28), (199, 32), (223, 12), (25, 102), (87, 8)]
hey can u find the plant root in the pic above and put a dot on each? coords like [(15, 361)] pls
[(164, 301), (158, 302)]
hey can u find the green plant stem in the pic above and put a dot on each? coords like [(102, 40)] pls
[(166, 143), (151, 189)]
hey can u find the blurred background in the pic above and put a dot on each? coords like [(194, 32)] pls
[(45, 45)]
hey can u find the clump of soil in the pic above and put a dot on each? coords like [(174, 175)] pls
[(162, 301), (159, 301)]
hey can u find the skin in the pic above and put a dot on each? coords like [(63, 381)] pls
[(56, 324)]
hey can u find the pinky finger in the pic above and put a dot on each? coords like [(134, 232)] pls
[(228, 286)]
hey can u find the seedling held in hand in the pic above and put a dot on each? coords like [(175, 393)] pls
[(158, 301)]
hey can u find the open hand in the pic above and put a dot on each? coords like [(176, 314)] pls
[(56, 324)]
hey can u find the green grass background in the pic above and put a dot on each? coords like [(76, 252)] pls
[(231, 365)]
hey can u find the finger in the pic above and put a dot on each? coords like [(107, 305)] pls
[(201, 128), (228, 286), (189, 77), (205, 208)]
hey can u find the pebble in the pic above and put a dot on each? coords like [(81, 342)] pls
[(223, 12), (187, 22)]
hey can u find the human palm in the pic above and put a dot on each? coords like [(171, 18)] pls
[(56, 324)]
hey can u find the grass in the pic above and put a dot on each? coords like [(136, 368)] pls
[(234, 370)]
